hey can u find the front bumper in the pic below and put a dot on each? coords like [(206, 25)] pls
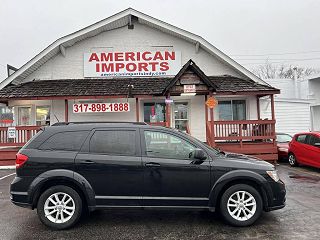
[(277, 200)]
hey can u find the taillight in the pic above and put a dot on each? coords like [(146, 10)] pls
[(20, 160)]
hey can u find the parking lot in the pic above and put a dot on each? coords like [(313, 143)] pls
[(300, 219)]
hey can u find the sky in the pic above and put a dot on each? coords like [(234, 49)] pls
[(249, 31)]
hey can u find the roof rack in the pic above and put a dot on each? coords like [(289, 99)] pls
[(72, 123)]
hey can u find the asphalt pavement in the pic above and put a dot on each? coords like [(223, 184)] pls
[(300, 219)]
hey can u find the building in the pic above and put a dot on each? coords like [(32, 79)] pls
[(133, 67), (292, 106), (297, 107)]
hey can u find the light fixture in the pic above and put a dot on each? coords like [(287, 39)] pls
[(187, 94)]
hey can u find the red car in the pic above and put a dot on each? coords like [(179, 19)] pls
[(305, 149), (283, 140)]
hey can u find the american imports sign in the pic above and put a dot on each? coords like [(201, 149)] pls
[(132, 64)]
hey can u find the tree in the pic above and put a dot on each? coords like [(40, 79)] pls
[(269, 70)]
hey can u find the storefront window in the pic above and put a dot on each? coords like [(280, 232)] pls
[(6, 116), (42, 115), (154, 112), (24, 116), (232, 110)]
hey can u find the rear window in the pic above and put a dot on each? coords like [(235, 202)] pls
[(114, 142), (65, 141), (301, 138)]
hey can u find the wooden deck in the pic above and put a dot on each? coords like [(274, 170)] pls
[(250, 137)]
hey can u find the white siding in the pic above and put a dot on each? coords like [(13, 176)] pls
[(316, 118), (122, 39), (292, 117)]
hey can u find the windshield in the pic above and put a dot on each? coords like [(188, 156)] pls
[(283, 138)]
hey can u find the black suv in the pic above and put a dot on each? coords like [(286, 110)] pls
[(71, 167)]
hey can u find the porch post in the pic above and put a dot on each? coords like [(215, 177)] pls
[(273, 124), (66, 112), (137, 110), (258, 107), (206, 118), (213, 143), (168, 110), (272, 107)]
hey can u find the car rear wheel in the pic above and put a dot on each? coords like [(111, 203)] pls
[(292, 160), (59, 207), (241, 205)]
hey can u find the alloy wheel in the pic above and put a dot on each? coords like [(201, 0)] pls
[(241, 205), (292, 160), (59, 207)]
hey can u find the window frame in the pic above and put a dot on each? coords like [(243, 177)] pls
[(86, 145), (35, 114), (18, 114), (144, 147), (156, 101), (232, 114)]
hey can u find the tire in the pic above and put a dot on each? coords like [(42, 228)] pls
[(292, 160), (238, 212), (63, 215)]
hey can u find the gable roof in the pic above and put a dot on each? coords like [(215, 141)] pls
[(190, 65), (121, 19)]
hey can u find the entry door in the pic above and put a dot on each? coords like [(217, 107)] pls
[(170, 177), (181, 116), (111, 162)]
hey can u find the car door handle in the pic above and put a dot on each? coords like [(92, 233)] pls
[(152, 164), (87, 162)]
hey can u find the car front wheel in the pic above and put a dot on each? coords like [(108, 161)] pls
[(59, 207), (241, 205), (292, 160)]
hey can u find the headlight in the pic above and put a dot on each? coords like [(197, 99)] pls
[(283, 149), (274, 175)]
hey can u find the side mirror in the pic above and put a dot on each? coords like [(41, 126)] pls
[(317, 144), (198, 154)]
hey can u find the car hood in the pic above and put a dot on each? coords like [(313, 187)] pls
[(235, 160)]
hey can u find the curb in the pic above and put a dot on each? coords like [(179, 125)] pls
[(7, 167)]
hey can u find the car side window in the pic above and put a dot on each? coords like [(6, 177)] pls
[(313, 140), (114, 142), (164, 145), (65, 141), (301, 138)]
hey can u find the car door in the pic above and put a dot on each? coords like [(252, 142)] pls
[(300, 148), (110, 161), (313, 154), (171, 178)]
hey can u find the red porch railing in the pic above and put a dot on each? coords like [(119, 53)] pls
[(248, 130), (251, 137), (23, 134)]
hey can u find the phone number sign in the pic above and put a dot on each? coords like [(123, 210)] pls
[(100, 107)]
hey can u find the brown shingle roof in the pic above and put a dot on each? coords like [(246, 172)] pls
[(114, 87)]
